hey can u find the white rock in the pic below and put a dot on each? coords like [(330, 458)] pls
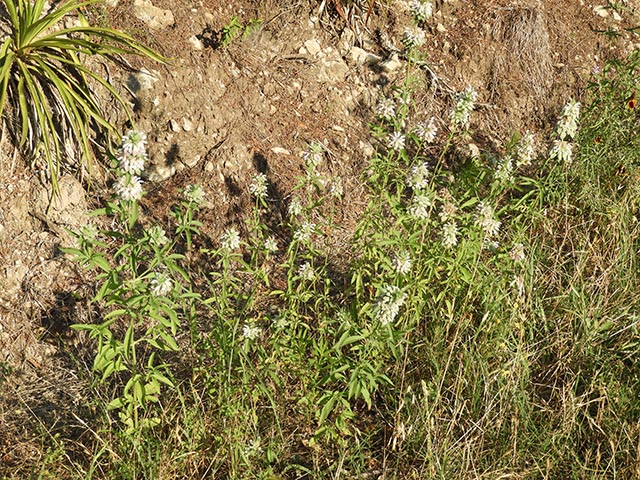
[(601, 11), (281, 151), (333, 71), (154, 17), (196, 43), (311, 47), (187, 125), (360, 56), (392, 64), (174, 125), (142, 80)]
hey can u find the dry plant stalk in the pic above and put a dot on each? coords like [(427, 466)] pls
[(525, 50)]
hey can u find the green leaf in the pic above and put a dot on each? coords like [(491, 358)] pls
[(115, 404)]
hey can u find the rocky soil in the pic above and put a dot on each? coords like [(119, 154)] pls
[(217, 114)]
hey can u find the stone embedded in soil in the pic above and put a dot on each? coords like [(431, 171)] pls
[(155, 18)]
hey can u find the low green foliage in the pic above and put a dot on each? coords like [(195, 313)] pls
[(481, 323), (234, 30), (54, 110)]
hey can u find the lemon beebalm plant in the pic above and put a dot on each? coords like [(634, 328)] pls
[(48, 87)]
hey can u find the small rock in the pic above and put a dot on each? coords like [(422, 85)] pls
[(196, 43), (154, 17), (142, 80), (441, 28), (187, 125), (159, 172), (601, 10), (193, 161), (174, 125), (392, 64), (311, 47), (281, 151), (360, 56), (333, 71)]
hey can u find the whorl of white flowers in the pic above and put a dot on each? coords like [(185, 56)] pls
[(388, 303), (160, 285), (133, 152), (562, 150), (386, 109), (525, 150), (421, 11), (230, 239), (486, 220), (157, 236), (128, 188), (426, 131), (517, 253), (271, 245), (304, 232), (306, 272), (568, 122), (402, 262), (465, 104), (295, 207), (314, 155), (194, 194), (420, 206), (395, 141), (413, 37), (251, 333), (260, 186), (450, 234), (418, 178), (504, 172)]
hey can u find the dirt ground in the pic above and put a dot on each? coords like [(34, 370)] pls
[(216, 115)]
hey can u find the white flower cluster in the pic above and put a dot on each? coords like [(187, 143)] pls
[(418, 178), (157, 236), (568, 121), (562, 150), (271, 245), (420, 206), (251, 333), (303, 234), (486, 219), (402, 263), (160, 285), (260, 186), (230, 239), (388, 304), (395, 141), (421, 11), (517, 253), (295, 207), (450, 234), (504, 172), (567, 128), (426, 131), (314, 155), (194, 194), (413, 37), (465, 104), (386, 109), (525, 150), (133, 152), (306, 272), (131, 158), (128, 188)]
